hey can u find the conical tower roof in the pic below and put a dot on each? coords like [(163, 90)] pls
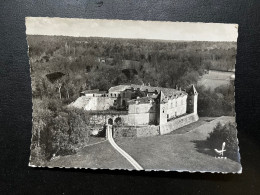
[(192, 90), (162, 97)]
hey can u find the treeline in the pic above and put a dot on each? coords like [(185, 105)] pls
[(217, 102), (159, 63), (57, 130)]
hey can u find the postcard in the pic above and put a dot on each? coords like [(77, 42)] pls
[(134, 95)]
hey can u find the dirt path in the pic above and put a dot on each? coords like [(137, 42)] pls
[(122, 152)]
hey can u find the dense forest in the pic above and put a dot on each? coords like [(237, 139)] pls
[(90, 63), (61, 67)]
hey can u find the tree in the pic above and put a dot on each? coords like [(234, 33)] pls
[(225, 133)]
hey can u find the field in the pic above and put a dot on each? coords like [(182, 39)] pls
[(215, 79), (170, 152)]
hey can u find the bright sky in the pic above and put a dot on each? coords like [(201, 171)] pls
[(133, 29)]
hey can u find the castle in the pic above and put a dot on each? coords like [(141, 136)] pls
[(141, 105)]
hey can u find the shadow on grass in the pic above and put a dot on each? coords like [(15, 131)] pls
[(222, 133), (207, 147)]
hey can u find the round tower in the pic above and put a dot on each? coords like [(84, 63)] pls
[(192, 100)]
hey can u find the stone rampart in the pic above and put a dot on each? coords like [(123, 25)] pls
[(124, 131), (147, 131), (178, 123), (132, 131), (102, 117)]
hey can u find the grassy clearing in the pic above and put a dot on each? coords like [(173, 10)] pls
[(167, 152), (215, 79), (192, 126), (101, 155), (177, 152)]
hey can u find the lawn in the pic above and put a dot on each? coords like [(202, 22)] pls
[(215, 79), (178, 151), (101, 155)]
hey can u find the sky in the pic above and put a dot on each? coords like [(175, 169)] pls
[(131, 29)]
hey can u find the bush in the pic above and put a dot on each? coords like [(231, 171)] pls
[(57, 130), (219, 102), (224, 133)]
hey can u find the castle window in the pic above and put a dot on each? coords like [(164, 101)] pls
[(115, 95)]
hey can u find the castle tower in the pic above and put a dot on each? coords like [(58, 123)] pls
[(192, 100), (161, 109)]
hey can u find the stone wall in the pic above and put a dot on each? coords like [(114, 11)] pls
[(141, 114), (100, 103), (178, 123), (126, 119), (101, 118), (177, 107), (141, 131), (132, 131), (148, 131), (124, 131)]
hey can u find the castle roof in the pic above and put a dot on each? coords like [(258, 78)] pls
[(192, 90), (142, 100), (96, 91), (166, 91)]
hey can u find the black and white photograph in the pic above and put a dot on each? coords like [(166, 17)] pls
[(133, 95)]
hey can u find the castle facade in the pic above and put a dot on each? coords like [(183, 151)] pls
[(141, 105)]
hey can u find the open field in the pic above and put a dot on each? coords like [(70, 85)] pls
[(178, 152), (101, 155), (175, 151), (215, 79)]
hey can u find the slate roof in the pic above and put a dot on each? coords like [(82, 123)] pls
[(142, 100), (192, 90), (166, 91), (93, 91)]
